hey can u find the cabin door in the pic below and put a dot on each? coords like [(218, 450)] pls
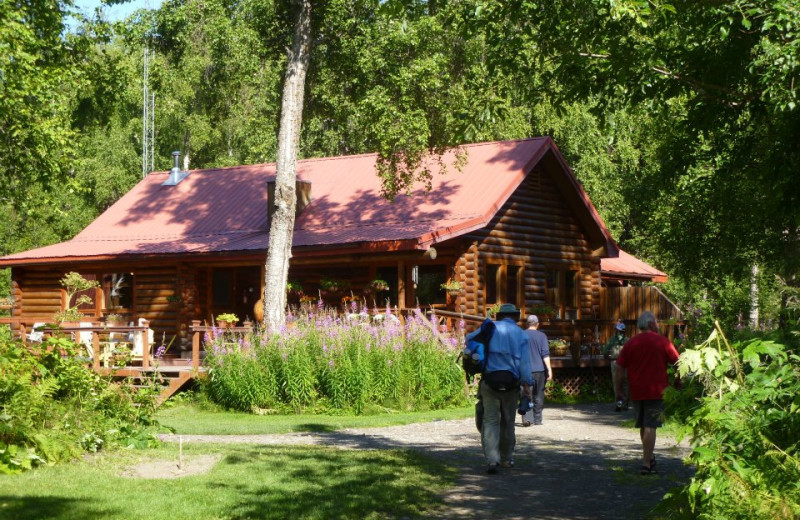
[(236, 290)]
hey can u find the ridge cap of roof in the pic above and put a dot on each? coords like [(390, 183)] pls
[(339, 157)]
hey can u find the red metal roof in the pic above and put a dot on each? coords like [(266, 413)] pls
[(225, 209), (627, 266)]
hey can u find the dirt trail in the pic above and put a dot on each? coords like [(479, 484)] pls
[(580, 464)]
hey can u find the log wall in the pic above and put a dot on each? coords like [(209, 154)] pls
[(535, 228)]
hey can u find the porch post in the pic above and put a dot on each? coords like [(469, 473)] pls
[(146, 344), (95, 351), (195, 345), (401, 285)]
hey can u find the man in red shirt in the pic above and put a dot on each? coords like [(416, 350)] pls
[(646, 357)]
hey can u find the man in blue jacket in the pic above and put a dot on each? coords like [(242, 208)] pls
[(508, 365)]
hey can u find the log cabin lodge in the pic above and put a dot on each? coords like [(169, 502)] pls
[(513, 225)]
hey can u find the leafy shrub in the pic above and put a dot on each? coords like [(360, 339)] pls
[(741, 406), (53, 407), (326, 362)]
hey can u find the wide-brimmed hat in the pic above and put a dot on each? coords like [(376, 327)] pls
[(508, 309)]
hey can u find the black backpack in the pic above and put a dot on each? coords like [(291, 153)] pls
[(476, 352)]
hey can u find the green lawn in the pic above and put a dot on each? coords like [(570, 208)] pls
[(191, 419), (260, 482)]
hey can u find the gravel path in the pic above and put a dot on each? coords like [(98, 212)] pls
[(580, 464)]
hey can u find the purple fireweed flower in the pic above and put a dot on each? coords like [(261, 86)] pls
[(246, 345), (462, 324), (453, 342), (324, 347), (320, 304), (354, 305), (206, 337), (331, 364), (160, 351)]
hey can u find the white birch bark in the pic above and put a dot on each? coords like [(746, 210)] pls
[(282, 223), (754, 298)]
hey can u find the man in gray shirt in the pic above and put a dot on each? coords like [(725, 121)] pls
[(540, 368)]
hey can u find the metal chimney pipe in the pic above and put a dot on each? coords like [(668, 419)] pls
[(176, 175)]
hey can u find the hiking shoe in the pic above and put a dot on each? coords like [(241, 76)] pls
[(507, 464), (493, 469), (526, 423)]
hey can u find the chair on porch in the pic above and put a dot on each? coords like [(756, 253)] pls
[(36, 335), (138, 341), (85, 338)]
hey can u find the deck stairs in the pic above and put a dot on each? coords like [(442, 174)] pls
[(170, 374)]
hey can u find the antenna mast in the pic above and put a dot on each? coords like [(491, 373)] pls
[(148, 106)]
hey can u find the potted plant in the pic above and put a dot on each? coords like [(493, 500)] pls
[(227, 320), (115, 320), (453, 286), (543, 311), (294, 288), (558, 347), (378, 285), (74, 283)]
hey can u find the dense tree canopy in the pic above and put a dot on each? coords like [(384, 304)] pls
[(680, 119)]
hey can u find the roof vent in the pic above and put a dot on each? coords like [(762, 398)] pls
[(176, 175)]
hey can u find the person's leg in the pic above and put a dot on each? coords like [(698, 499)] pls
[(648, 436), (490, 432), (615, 380), (649, 417), (540, 379), (508, 437), (626, 391)]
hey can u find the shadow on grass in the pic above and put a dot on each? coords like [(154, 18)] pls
[(315, 428), (40, 508), (320, 483)]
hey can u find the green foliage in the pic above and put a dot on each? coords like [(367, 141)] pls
[(228, 317), (52, 406), (73, 284), (324, 363), (742, 416)]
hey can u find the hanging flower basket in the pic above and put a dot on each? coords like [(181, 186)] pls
[(453, 287), (379, 285)]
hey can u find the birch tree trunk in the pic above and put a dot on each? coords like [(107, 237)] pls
[(754, 298), (282, 223)]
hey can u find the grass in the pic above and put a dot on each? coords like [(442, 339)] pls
[(191, 419), (259, 482)]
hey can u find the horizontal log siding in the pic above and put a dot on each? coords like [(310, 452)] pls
[(154, 288), (37, 292), (537, 227)]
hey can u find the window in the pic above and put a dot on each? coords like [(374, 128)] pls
[(561, 291), (118, 291), (429, 285), (504, 284)]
